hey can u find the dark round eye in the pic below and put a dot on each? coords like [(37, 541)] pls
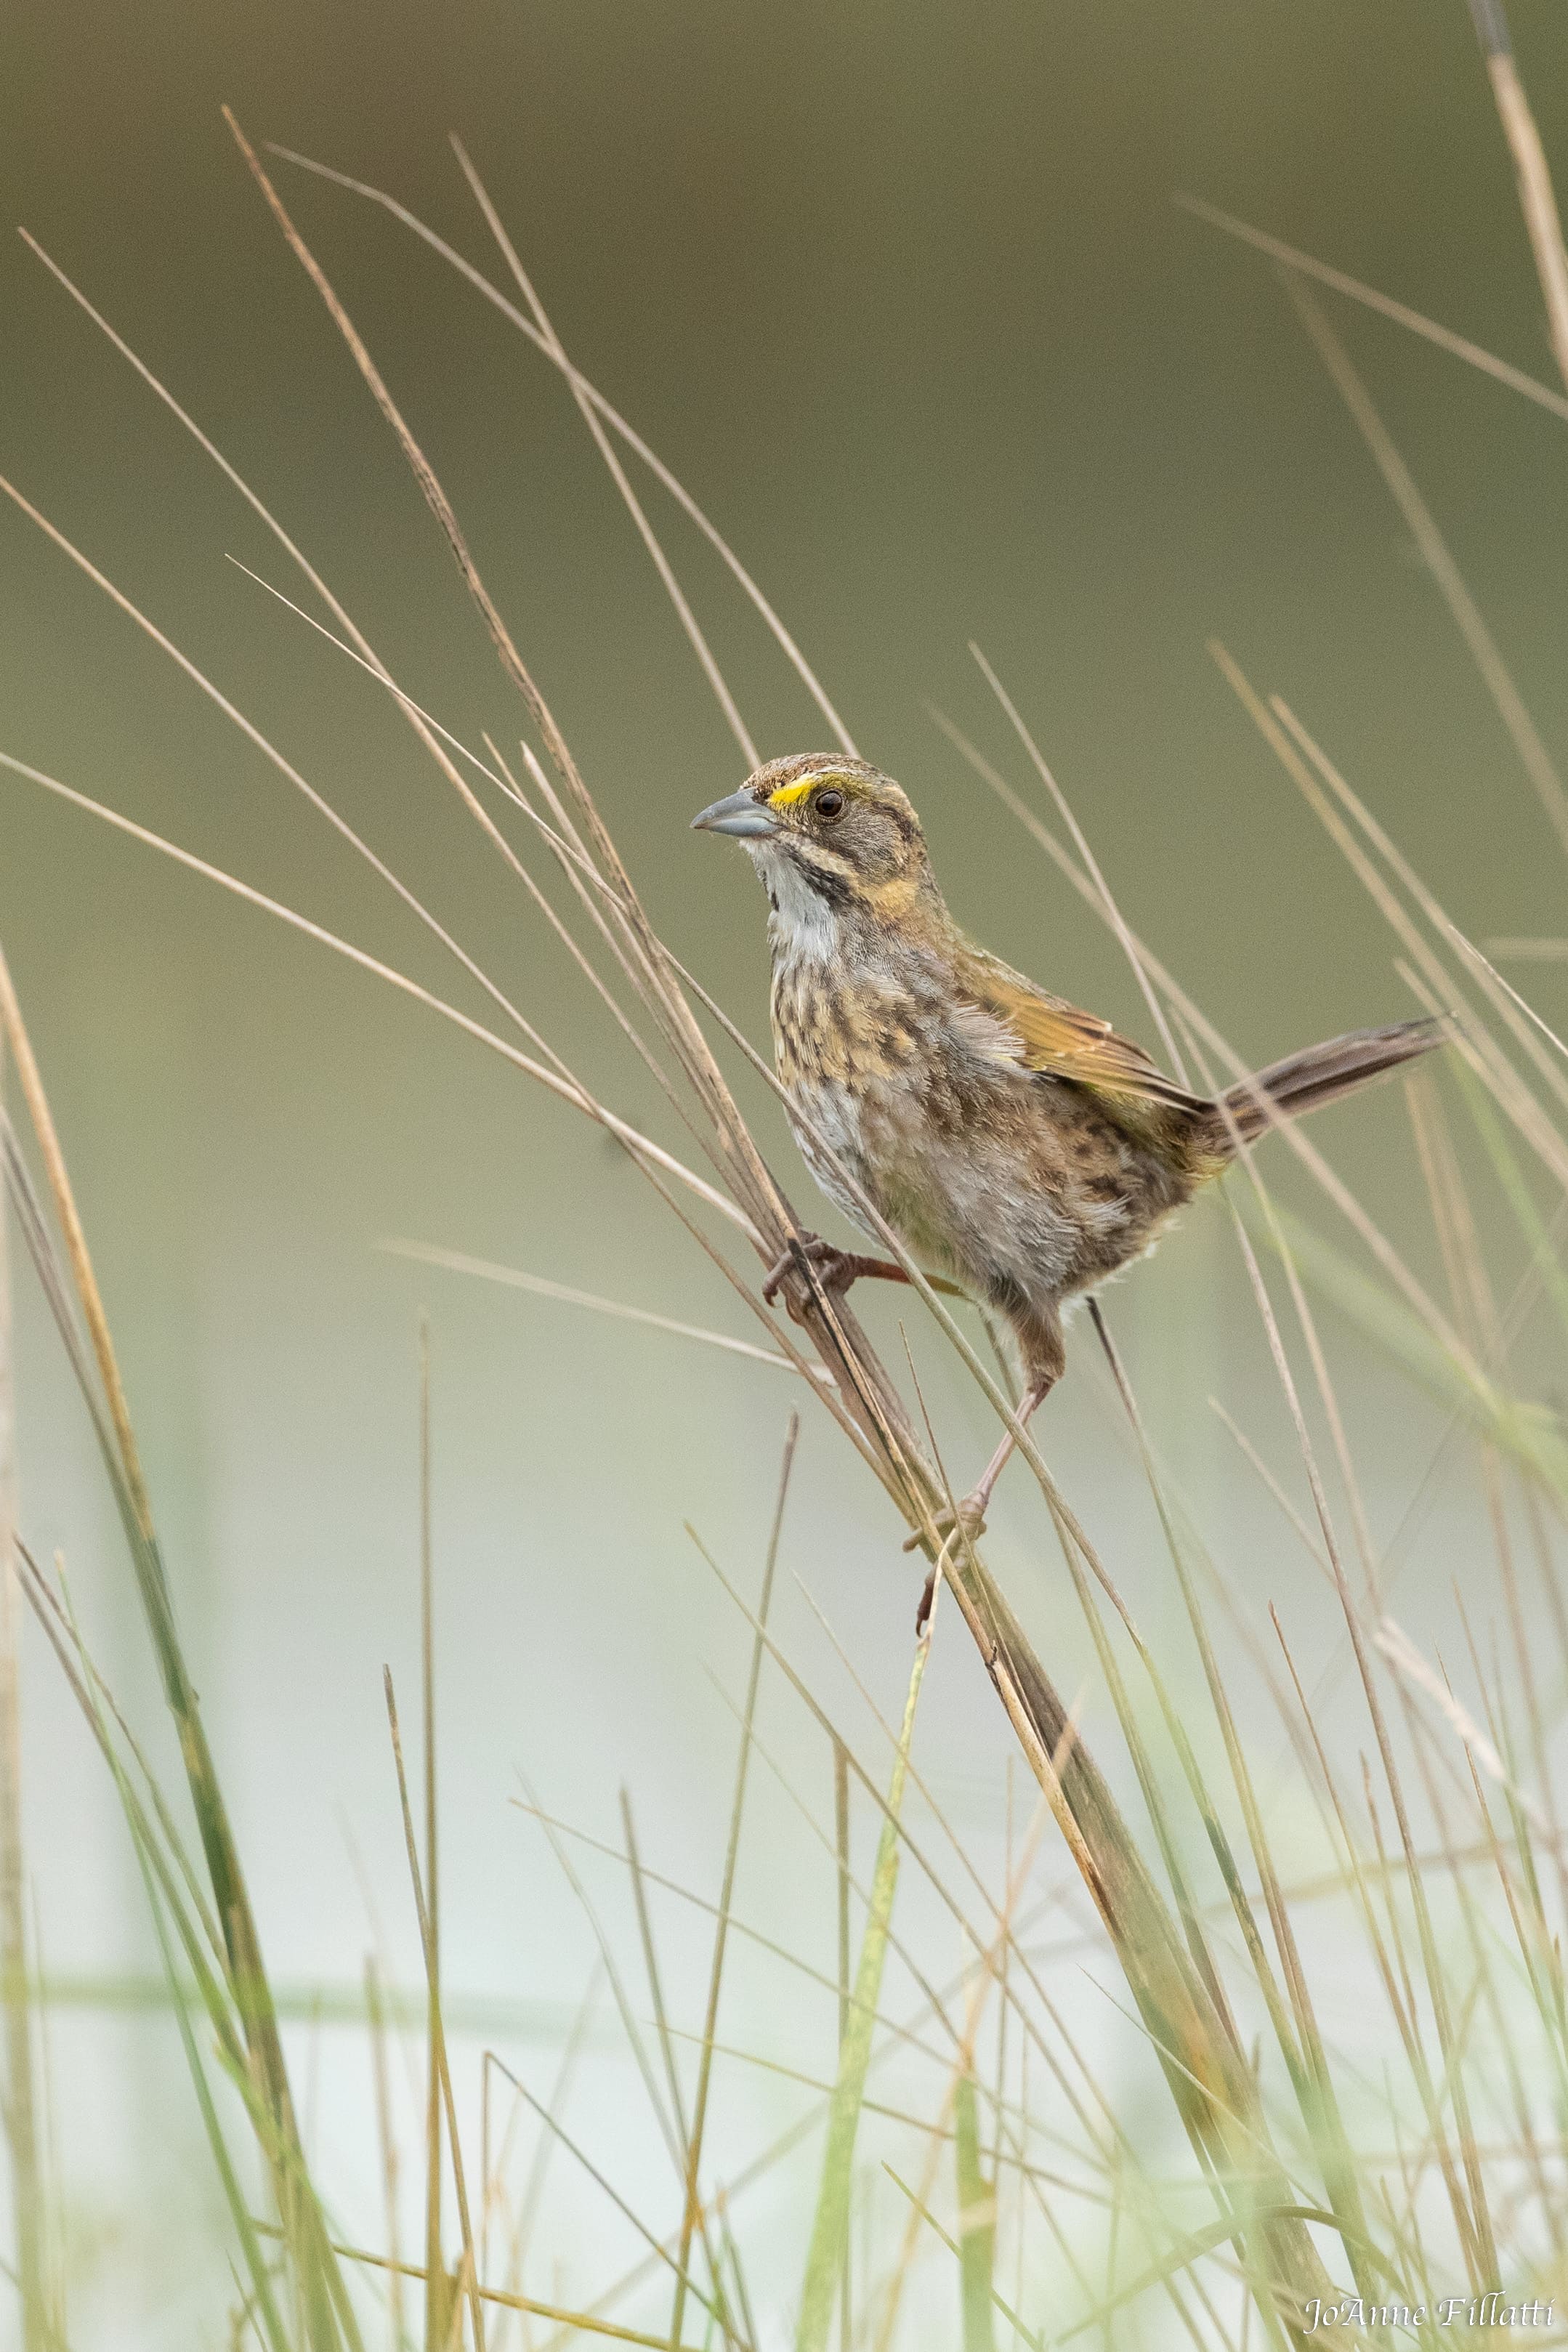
[(830, 804)]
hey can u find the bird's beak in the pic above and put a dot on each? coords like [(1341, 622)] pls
[(741, 817)]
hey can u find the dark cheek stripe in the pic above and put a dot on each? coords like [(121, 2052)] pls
[(830, 887)]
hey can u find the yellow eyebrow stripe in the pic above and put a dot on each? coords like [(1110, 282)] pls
[(787, 795)]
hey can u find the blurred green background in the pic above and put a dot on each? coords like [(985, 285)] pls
[(900, 293)]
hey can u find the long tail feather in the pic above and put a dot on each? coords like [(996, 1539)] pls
[(1320, 1075)]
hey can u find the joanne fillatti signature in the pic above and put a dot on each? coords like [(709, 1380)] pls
[(1448, 2311)]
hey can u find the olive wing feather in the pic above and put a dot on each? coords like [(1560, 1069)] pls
[(1062, 1042)]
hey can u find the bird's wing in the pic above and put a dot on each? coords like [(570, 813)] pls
[(1057, 1038)]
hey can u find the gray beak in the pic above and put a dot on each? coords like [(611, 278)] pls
[(742, 817)]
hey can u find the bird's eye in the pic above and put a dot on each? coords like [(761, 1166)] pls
[(830, 804)]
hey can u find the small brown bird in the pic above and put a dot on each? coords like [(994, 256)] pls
[(1016, 1144)]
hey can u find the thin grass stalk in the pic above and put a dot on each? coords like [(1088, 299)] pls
[(1400, 312), (21, 2129), (710, 2303), (731, 1858), (616, 422), (555, 350), (1536, 759), (444, 2291), (1537, 198)]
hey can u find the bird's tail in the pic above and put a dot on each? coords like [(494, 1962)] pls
[(1319, 1075)]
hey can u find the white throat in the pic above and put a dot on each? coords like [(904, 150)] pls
[(802, 926)]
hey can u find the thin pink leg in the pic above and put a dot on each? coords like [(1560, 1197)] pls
[(972, 1510)]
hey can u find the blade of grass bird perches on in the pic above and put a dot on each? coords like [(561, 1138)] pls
[(1533, 755), (466, 2284), (731, 1858), (455, 1262), (555, 350), (831, 2224), (1400, 312), (617, 424), (18, 2103), (1537, 199), (231, 1899)]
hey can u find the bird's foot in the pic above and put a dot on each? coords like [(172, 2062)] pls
[(835, 1269), (953, 1525)]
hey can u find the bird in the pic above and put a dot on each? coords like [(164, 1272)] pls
[(1020, 1150)]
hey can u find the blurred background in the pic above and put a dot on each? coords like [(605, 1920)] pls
[(902, 294)]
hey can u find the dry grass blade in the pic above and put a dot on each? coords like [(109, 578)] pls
[(1534, 757), (1537, 198), (616, 422), (732, 1857), (1400, 312), (555, 350), (445, 2294), (427, 1253), (642, 1148)]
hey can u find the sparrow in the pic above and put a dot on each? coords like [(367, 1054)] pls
[(1020, 1150)]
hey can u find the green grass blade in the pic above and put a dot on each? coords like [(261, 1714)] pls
[(977, 2220), (830, 2228)]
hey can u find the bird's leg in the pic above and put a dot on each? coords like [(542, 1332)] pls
[(835, 1269), (970, 1515)]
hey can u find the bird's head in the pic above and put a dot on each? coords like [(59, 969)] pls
[(828, 836)]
